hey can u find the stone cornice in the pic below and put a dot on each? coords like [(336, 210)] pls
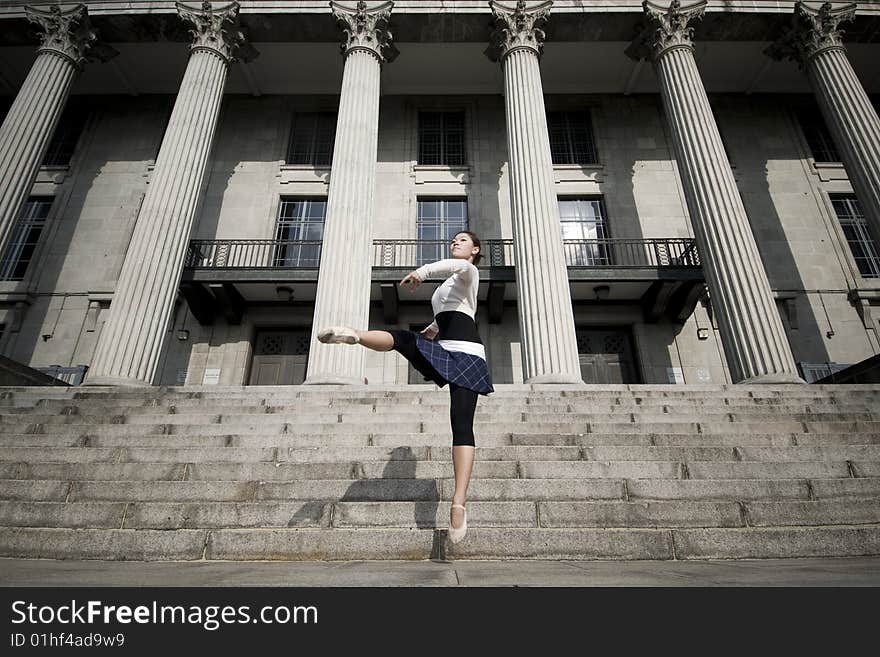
[(69, 34), (516, 27), (366, 29), (667, 29), (211, 33), (812, 31)]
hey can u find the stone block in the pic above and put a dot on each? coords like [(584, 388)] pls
[(105, 544), (776, 543)]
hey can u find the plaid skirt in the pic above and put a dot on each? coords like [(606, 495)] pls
[(441, 366)]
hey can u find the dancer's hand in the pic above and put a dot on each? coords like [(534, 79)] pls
[(413, 279), (430, 332)]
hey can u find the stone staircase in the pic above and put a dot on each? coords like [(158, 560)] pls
[(337, 473)]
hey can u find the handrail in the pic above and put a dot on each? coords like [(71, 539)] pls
[(286, 254)]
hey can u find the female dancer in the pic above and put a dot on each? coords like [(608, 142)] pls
[(448, 351)]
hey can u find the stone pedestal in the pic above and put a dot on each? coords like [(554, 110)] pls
[(131, 342), (345, 275), (546, 318), (752, 334)]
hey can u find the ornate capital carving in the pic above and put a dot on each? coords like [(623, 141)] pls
[(667, 28), (516, 27), (812, 31), (211, 32), (67, 33), (366, 29)]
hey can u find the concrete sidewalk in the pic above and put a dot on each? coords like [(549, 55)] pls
[(853, 571)]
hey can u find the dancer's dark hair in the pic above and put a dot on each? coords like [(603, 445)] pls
[(476, 241)]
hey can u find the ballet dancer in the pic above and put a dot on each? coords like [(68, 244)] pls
[(449, 351)]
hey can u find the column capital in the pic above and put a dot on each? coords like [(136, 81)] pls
[(812, 31), (366, 29), (667, 28), (211, 33), (69, 34), (516, 27)]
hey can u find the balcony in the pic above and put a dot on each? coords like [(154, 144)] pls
[(663, 275)]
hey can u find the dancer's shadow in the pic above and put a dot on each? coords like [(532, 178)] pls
[(398, 483)]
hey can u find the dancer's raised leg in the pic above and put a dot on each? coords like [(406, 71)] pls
[(375, 340)]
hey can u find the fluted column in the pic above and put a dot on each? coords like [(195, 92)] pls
[(546, 318), (27, 129), (816, 44), (345, 275), (130, 344), (752, 334)]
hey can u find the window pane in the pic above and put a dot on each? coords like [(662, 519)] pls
[(66, 135), (583, 222), (24, 238), (571, 137), (429, 210), (855, 228), (429, 232), (817, 135), (298, 220), (311, 138), (441, 138)]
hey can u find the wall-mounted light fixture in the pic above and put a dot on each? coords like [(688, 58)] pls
[(601, 292), (284, 293)]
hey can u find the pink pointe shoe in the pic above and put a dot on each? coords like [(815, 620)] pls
[(335, 334), (456, 535)]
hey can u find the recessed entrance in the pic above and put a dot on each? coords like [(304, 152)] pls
[(606, 355), (280, 357)]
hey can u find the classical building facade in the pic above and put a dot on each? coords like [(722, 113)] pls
[(665, 192)]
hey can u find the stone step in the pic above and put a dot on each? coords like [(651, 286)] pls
[(86, 447), (845, 394), (396, 428), (436, 420), (691, 440), (422, 515), (482, 543), (229, 464), (438, 404), (612, 443), (481, 489)]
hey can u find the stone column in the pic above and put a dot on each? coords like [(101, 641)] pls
[(546, 318), (131, 342), (754, 339), (816, 44), (344, 279), (67, 38)]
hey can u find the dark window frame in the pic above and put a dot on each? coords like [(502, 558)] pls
[(820, 143), (25, 237), (571, 143), (862, 246), (589, 254), (66, 135), (446, 224), (298, 221), (312, 137), (442, 138)]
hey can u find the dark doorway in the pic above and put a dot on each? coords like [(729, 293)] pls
[(280, 357), (607, 355)]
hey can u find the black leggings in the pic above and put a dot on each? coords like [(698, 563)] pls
[(462, 401)]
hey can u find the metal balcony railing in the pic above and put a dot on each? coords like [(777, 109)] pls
[(253, 254), (605, 253)]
